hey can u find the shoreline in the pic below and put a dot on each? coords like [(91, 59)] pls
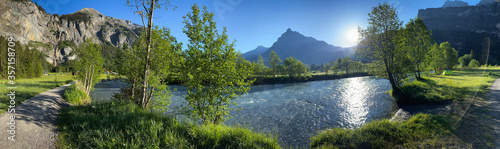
[(283, 79)]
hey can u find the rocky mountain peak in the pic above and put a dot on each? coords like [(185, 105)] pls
[(27, 23), (90, 11), (455, 3)]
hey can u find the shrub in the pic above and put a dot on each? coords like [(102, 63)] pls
[(422, 91), (74, 95), (385, 133), (474, 63)]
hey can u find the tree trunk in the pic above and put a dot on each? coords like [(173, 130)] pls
[(150, 97), (133, 89), (91, 78), (418, 71), (390, 77), (85, 80), (148, 50)]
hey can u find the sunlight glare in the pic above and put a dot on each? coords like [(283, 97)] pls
[(352, 36)]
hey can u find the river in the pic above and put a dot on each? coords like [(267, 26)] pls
[(296, 111)]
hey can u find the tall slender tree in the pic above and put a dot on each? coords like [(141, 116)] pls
[(417, 41), (145, 8), (381, 41), (89, 64), (275, 62)]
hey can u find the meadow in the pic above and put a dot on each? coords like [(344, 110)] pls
[(437, 89)]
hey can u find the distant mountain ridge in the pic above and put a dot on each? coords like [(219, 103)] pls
[(306, 49), (256, 52)]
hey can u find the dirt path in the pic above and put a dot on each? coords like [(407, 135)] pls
[(35, 121), (494, 111), (480, 126)]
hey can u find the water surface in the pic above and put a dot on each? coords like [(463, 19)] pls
[(297, 111)]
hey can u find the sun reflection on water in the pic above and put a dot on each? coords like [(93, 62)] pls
[(354, 102)]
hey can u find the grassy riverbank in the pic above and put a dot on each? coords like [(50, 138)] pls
[(422, 130), (436, 89), (75, 95), (121, 125), (27, 88)]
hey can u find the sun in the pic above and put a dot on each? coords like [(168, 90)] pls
[(352, 36)]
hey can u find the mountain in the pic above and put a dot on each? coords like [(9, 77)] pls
[(306, 49), (30, 24), (486, 2), (467, 28), (254, 54), (455, 3)]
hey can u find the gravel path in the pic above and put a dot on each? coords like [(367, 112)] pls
[(494, 111), (480, 126), (35, 121)]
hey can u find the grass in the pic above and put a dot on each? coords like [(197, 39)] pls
[(27, 88), (75, 95), (436, 89), (124, 125), (421, 130)]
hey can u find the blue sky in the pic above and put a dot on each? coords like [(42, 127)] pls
[(259, 22)]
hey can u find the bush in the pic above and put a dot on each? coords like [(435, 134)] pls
[(68, 81), (386, 134), (126, 125), (74, 95), (422, 91), (474, 63)]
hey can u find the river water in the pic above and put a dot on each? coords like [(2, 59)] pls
[(296, 111)]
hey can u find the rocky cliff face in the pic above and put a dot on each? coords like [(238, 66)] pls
[(467, 28), (29, 25)]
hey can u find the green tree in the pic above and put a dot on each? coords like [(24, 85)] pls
[(326, 68), (209, 70), (261, 67), (356, 66), (345, 64), (416, 41), (474, 63), (465, 60), (294, 68), (165, 54), (145, 8), (89, 64), (435, 58), (381, 39), (275, 62), (450, 56)]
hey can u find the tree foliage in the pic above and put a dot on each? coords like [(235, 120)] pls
[(416, 40), (474, 63), (465, 60), (381, 38), (294, 68), (260, 68), (145, 8), (275, 62), (28, 61), (450, 55), (89, 64), (210, 70), (165, 54)]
